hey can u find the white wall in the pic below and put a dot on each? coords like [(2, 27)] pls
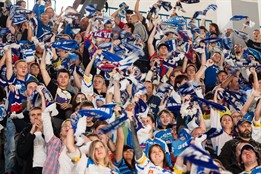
[(189, 8)]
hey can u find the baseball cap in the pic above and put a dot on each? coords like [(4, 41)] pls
[(242, 121)]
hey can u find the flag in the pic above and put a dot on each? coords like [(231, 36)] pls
[(209, 7), (166, 5), (90, 10), (238, 17)]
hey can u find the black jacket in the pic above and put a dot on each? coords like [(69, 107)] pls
[(25, 149)]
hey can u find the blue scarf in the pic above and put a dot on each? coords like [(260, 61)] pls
[(67, 45)]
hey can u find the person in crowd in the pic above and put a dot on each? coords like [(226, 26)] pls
[(108, 68)]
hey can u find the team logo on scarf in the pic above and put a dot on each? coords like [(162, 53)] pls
[(105, 34), (102, 113), (67, 45)]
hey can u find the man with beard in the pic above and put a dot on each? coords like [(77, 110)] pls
[(228, 152)]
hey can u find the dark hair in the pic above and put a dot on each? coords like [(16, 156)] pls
[(63, 70), (251, 78), (132, 165), (74, 103), (98, 123), (203, 28), (209, 96), (165, 162), (258, 159), (86, 103), (2, 94), (179, 79), (19, 3), (217, 31), (151, 117), (130, 25), (129, 12), (221, 71)]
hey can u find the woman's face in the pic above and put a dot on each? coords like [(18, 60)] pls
[(80, 98), (78, 38), (226, 122), (191, 71), (128, 154), (34, 70), (147, 121), (99, 151), (156, 155)]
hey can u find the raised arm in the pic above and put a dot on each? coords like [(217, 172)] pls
[(76, 79), (202, 69), (258, 111), (136, 9), (47, 126), (46, 76), (119, 145), (114, 15), (150, 41), (184, 65), (89, 66), (9, 66), (137, 149), (255, 78), (249, 101)]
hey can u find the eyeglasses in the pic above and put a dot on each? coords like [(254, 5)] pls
[(236, 116)]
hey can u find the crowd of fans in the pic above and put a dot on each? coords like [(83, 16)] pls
[(127, 93)]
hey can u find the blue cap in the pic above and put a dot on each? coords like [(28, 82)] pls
[(73, 56), (242, 121)]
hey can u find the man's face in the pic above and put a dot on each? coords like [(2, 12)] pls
[(165, 119), (45, 19), (163, 51), (234, 85), (21, 69), (248, 156), (128, 16), (84, 23), (245, 130), (238, 48), (221, 77), (63, 80), (35, 115), (98, 83), (256, 35)]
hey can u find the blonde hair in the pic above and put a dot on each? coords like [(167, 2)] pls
[(107, 160)]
